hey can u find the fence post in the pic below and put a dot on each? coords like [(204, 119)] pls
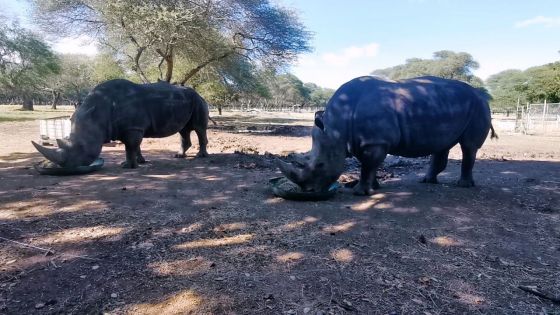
[(543, 116), (517, 117)]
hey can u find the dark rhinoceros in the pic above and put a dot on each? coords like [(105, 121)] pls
[(126, 111), (370, 118)]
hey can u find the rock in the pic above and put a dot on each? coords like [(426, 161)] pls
[(39, 305), (95, 267), (114, 295), (146, 245), (306, 310)]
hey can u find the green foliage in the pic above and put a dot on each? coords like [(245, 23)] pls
[(25, 62), (176, 40), (105, 68), (535, 84), (543, 83), (445, 64), (506, 88), (318, 96)]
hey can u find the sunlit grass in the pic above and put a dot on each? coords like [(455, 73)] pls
[(10, 113)]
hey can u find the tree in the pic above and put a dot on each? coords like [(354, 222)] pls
[(543, 83), (105, 68), (74, 79), (154, 36), (25, 63), (318, 96), (506, 88), (446, 64), (535, 84)]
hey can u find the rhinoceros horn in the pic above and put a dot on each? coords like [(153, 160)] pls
[(293, 173), (53, 155)]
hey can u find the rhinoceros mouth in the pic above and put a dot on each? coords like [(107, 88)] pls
[(56, 156)]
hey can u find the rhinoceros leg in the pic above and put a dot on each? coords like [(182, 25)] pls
[(140, 158), (438, 163), (185, 143), (370, 158), (202, 142), (469, 156), (132, 143)]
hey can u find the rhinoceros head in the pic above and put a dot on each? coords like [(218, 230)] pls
[(85, 142), (322, 165)]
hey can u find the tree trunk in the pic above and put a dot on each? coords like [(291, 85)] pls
[(27, 104), (55, 99), (219, 109)]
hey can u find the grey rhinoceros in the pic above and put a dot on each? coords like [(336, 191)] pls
[(369, 118), (126, 111)]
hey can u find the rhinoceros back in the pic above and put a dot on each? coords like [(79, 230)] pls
[(157, 110), (412, 118)]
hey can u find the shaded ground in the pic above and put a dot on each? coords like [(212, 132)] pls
[(205, 236)]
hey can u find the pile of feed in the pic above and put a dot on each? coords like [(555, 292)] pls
[(48, 164), (287, 185)]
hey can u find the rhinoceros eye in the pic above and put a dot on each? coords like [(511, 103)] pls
[(320, 165)]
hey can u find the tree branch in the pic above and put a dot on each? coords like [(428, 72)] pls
[(168, 58), (195, 70)]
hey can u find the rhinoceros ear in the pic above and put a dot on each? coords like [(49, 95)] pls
[(319, 119)]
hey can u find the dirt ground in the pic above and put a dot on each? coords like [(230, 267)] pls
[(206, 236)]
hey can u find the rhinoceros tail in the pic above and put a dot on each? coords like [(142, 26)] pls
[(493, 134)]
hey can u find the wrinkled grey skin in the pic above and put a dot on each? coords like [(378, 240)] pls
[(370, 118), (125, 111)]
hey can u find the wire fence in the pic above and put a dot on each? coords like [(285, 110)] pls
[(543, 118), (266, 107)]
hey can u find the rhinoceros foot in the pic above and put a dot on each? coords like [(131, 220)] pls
[(202, 154), (465, 183), (180, 156), (429, 180), (360, 190), (127, 164)]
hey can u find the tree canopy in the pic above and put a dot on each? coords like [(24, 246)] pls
[(445, 64), (535, 84), (175, 40), (25, 63)]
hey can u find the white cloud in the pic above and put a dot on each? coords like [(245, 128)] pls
[(351, 53), (332, 69), (539, 20), (82, 44)]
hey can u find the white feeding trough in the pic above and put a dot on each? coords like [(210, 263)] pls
[(54, 128)]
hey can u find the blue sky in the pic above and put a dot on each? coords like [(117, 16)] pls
[(355, 37)]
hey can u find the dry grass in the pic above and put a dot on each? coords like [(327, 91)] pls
[(14, 113)]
